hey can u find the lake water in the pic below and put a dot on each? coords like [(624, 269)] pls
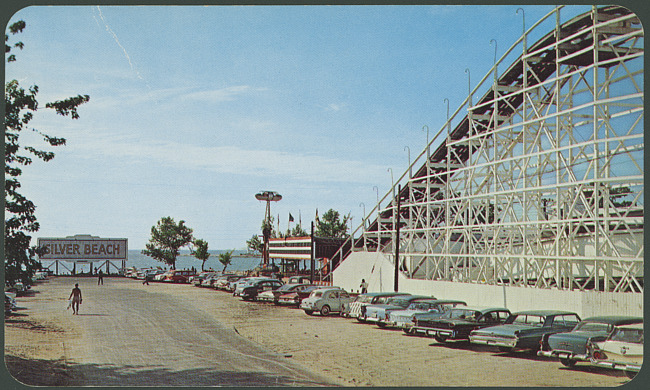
[(241, 261)]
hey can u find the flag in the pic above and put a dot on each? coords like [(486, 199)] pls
[(317, 221), (290, 217)]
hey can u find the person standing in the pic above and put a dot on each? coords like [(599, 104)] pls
[(364, 286), (146, 278), (100, 279), (75, 295)]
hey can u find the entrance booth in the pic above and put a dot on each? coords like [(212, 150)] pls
[(81, 249)]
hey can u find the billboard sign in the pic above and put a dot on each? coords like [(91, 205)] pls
[(83, 247)]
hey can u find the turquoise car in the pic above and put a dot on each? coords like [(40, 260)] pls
[(525, 329)]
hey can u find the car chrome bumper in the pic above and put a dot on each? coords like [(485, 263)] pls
[(495, 341), (433, 331), (563, 355), (617, 365)]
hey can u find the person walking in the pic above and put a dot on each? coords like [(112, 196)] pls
[(75, 295), (146, 278), (100, 279)]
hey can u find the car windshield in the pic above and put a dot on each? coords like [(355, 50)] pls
[(628, 335), (316, 294), (588, 326), (364, 299), (463, 314), (528, 319), (420, 306), (287, 287), (398, 302)]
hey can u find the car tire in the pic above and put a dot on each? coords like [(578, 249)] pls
[(440, 339), (381, 325), (568, 362), (309, 312), (325, 311)]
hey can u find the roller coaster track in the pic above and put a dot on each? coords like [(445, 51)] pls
[(524, 184)]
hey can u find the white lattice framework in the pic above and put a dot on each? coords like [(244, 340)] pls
[(540, 183)]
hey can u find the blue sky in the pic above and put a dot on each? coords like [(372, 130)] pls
[(193, 110)]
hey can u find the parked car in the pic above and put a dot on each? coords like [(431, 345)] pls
[(274, 295), (249, 292), (298, 279), (325, 300), (209, 281), (162, 276), (457, 323), (40, 275), (179, 275), (353, 309), (10, 303), (572, 347), (405, 319), (222, 282), (294, 298), (525, 329), (622, 350), (233, 286), (378, 314), (197, 280)]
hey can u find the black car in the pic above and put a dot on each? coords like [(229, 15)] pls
[(457, 323), (249, 292)]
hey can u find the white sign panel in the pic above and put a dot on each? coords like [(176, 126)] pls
[(83, 248)]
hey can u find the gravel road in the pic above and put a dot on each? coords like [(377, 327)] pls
[(129, 334)]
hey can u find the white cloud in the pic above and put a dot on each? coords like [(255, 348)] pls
[(231, 160)]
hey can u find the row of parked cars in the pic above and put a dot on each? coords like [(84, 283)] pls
[(608, 341), (19, 288)]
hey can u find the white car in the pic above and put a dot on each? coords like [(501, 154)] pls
[(623, 350)]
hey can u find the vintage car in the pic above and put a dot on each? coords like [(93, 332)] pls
[(299, 279), (405, 319), (294, 298), (197, 280), (571, 347), (179, 275), (457, 323), (274, 295), (222, 282), (378, 314), (238, 284), (525, 329), (622, 350), (325, 300), (353, 309), (249, 291)]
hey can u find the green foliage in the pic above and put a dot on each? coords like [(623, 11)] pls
[(225, 259), (254, 244), (331, 225), (200, 251), (167, 237), (20, 218)]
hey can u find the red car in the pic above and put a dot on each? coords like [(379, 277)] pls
[(295, 297), (179, 276)]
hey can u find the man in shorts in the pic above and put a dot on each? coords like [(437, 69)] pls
[(75, 295)]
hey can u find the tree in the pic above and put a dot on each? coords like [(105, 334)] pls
[(297, 231), (331, 225), (225, 259), (20, 218), (167, 237), (200, 251), (254, 244)]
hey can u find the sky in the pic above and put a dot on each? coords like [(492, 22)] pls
[(193, 110)]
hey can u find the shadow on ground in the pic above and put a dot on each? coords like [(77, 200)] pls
[(40, 372)]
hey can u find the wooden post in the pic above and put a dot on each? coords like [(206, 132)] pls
[(313, 260)]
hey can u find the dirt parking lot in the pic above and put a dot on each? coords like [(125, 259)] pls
[(41, 343)]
